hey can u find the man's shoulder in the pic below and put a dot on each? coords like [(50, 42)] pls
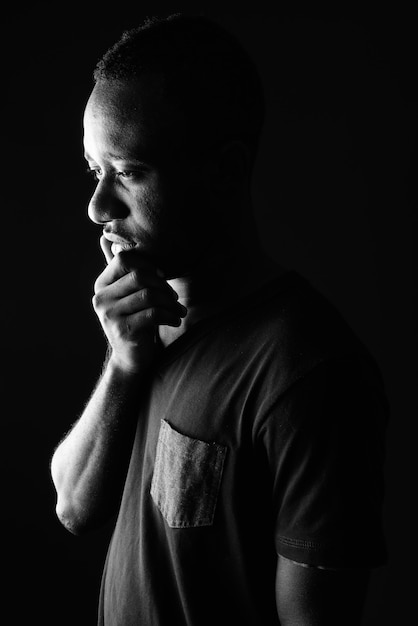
[(290, 329), (289, 313)]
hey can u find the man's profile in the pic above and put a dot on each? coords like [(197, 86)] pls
[(236, 432)]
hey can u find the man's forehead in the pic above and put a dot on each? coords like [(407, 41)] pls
[(116, 135), (132, 116), (127, 97), (140, 102)]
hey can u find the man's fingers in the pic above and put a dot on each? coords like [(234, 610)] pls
[(121, 264), (106, 247), (151, 318), (149, 299), (137, 280)]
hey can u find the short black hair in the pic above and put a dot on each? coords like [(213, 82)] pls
[(205, 69)]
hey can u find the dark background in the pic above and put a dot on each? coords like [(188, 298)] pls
[(335, 196)]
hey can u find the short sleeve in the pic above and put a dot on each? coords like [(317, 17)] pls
[(324, 441)]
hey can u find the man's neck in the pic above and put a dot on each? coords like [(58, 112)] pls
[(223, 279)]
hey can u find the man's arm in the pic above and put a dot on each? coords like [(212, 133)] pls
[(310, 596), (89, 467)]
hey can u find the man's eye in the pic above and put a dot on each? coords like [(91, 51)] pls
[(95, 172), (129, 174)]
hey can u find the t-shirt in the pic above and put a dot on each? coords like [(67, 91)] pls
[(261, 433)]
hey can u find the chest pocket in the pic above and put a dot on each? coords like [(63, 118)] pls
[(187, 477)]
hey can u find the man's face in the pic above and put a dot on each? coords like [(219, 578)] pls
[(150, 193)]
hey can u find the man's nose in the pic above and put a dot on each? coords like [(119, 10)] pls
[(104, 205)]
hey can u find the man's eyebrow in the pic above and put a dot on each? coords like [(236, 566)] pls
[(121, 157)]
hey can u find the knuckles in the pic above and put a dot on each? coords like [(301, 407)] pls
[(143, 296), (146, 300), (97, 300), (151, 315), (135, 278)]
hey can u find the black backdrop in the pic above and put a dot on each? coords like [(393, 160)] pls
[(335, 199)]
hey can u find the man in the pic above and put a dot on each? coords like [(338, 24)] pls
[(236, 431)]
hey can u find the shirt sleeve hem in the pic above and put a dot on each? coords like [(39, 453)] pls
[(332, 555)]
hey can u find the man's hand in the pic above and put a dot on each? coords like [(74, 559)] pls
[(131, 300)]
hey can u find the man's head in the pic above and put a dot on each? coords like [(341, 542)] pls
[(171, 130), (206, 76)]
